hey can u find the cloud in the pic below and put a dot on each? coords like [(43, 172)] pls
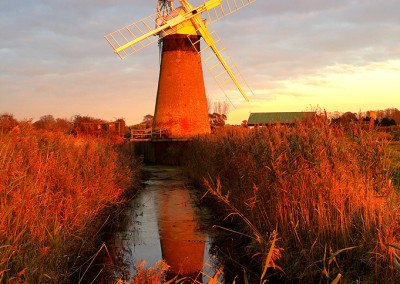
[(54, 56), (311, 34)]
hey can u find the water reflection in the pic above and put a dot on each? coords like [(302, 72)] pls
[(182, 244), (163, 223)]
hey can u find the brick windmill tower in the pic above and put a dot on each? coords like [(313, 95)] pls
[(181, 105)]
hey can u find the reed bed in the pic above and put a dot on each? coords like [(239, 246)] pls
[(324, 190), (395, 164), (54, 189)]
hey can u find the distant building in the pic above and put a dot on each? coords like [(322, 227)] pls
[(267, 118), (98, 128)]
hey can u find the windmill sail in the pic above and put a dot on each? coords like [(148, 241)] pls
[(143, 32), (226, 8), (137, 36), (133, 38), (202, 30), (232, 83)]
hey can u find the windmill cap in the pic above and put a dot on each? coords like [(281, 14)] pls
[(183, 28)]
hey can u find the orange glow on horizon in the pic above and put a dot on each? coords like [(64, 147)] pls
[(337, 88)]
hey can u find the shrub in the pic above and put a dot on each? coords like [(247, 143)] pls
[(7, 122)]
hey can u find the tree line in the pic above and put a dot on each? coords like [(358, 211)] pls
[(78, 125), (386, 117)]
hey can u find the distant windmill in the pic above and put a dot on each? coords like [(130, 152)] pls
[(181, 105)]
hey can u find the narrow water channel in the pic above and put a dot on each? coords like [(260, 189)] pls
[(163, 222)]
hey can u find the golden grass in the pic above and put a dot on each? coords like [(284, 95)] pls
[(323, 189), (394, 150), (53, 188)]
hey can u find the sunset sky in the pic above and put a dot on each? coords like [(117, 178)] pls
[(296, 55)]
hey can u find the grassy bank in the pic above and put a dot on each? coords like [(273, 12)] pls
[(326, 192), (54, 190)]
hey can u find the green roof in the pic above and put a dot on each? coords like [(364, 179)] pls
[(262, 118)]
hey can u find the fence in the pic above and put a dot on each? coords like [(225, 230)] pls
[(147, 134)]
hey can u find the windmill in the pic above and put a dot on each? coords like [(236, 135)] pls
[(181, 105)]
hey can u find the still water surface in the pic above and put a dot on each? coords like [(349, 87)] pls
[(163, 222)]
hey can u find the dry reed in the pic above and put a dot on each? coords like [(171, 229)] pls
[(322, 188), (53, 188)]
